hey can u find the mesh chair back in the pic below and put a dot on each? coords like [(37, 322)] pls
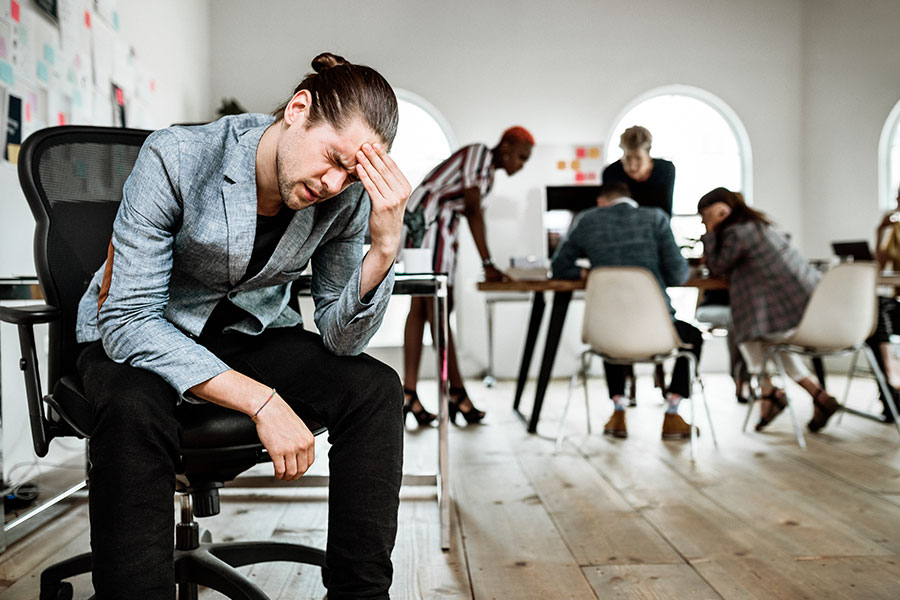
[(626, 315), (72, 177), (842, 311)]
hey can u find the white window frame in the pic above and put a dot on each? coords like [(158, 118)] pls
[(887, 190), (731, 118)]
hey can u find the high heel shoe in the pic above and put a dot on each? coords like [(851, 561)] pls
[(777, 403), (412, 404), (825, 406), (458, 396)]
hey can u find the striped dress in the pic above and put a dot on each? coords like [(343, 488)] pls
[(434, 208)]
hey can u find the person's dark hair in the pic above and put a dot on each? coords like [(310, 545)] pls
[(341, 90), (740, 212), (614, 189)]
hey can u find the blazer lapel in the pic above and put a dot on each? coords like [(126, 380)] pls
[(239, 196)]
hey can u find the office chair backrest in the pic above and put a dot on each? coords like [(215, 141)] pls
[(626, 315), (72, 177), (842, 311)]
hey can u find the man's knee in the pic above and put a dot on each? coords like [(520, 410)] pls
[(376, 384)]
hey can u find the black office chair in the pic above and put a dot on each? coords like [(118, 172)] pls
[(72, 177)]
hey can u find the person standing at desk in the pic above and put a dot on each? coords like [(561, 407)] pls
[(215, 223), (456, 187), (650, 181), (771, 284), (620, 233)]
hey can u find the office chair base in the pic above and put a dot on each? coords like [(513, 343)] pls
[(210, 565)]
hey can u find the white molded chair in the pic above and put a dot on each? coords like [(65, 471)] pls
[(841, 314), (627, 321)]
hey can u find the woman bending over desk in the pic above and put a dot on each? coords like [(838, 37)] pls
[(455, 188), (770, 284)]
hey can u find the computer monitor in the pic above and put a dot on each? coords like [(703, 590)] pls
[(563, 203), (856, 250)]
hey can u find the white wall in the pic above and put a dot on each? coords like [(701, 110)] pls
[(171, 39), (564, 69), (851, 83)]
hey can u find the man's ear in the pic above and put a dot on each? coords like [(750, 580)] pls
[(298, 107)]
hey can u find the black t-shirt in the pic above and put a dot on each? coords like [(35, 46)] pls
[(269, 230), (655, 191)]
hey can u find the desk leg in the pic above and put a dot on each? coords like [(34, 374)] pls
[(554, 331), (443, 488), (534, 324)]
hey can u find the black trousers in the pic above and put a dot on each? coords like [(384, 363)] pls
[(134, 454), (680, 384)]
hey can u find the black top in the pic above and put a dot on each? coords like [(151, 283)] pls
[(269, 230), (655, 191)]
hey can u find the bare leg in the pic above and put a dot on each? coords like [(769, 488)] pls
[(412, 340)]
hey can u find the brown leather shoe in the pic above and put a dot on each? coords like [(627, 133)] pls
[(616, 425), (676, 428)]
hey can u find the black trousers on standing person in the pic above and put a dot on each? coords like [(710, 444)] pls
[(615, 374), (134, 454)]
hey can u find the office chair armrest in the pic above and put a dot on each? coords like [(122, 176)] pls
[(25, 318), (29, 315)]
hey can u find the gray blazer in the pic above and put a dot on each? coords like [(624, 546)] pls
[(623, 235), (182, 240)]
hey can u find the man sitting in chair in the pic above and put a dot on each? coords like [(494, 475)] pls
[(215, 224), (620, 233)]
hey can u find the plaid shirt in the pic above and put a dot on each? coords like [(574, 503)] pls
[(770, 281)]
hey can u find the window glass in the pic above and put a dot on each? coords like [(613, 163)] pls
[(693, 133)]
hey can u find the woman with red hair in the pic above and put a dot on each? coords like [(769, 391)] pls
[(455, 188)]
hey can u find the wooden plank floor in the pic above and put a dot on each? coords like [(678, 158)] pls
[(755, 517)]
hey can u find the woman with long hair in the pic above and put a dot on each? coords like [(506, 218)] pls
[(770, 283)]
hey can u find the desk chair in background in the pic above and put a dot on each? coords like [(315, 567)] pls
[(627, 321), (840, 315), (72, 177)]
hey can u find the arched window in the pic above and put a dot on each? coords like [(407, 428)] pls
[(705, 140), (423, 140), (889, 160)]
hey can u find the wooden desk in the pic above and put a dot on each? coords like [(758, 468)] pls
[(562, 294)]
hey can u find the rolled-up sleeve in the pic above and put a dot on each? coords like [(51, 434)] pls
[(131, 319)]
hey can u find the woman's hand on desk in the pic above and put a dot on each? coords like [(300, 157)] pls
[(492, 273)]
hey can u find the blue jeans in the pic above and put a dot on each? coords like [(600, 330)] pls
[(134, 454)]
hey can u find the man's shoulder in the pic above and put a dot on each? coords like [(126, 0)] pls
[(215, 135)]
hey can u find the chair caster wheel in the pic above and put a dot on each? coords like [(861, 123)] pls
[(62, 591)]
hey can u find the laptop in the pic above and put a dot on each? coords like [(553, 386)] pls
[(856, 250)]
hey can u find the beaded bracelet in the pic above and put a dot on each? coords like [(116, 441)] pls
[(272, 395)]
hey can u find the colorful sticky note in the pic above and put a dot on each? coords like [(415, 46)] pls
[(76, 99), (152, 85), (14, 10), (6, 72), (115, 22), (43, 72), (61, 118), (120, 97), (49, 54), (591, 176), (576, 164), (594, 152), (579, 176), (561, 165), (580, 152), (28, 111), (87, 19)]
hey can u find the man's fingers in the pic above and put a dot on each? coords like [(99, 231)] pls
[(278, 464), (290, 467)]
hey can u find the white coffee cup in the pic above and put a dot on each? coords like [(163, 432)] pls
[(416, 260)]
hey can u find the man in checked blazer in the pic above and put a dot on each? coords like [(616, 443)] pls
[(191, 304), (620, 233)]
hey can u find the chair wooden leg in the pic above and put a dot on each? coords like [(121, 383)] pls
[(801, 441), (883, 385)]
